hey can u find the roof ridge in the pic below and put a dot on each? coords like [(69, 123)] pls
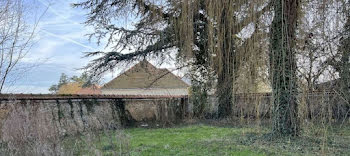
[(131, 68), (139, 79)]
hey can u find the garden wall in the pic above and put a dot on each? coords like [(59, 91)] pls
[(31, 118), (316, 105)]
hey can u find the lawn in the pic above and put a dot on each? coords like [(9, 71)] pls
[(201, 139)]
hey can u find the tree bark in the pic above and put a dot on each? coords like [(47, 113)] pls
[(283, 68), (226, 63), (344, 72)]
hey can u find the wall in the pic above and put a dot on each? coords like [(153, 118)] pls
[(315, 105), (158, 111), (26, 119)]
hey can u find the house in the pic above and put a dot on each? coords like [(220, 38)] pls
[(77, 88), (146, 79), (70, 88)]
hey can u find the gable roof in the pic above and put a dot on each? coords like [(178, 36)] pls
[(145, 75)]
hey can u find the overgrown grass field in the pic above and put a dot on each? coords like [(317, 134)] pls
[(201, 139)]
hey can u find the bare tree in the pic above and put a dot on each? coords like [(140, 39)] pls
[(16, 38), (317, 41)]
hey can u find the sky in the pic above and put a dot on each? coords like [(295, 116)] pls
[(58, 45)]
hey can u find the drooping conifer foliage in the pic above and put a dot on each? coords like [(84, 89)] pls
[(230, 46), (202, 32)]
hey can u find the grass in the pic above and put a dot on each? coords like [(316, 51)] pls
[(210, 140)]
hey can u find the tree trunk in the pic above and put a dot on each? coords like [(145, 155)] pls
[(225, 90), (283, 68), (226, 68), (344, 72)]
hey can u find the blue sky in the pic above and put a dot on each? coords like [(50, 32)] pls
[(59, 46)]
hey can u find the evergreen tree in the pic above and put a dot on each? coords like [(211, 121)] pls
[(62, 81), (74, 82), (201, 31)]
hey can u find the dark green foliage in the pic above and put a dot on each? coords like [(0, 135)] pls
[(201, 71), (152, 34), (201, 76), (63, 80), (83, 79), (283, 68), (201, 32)]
